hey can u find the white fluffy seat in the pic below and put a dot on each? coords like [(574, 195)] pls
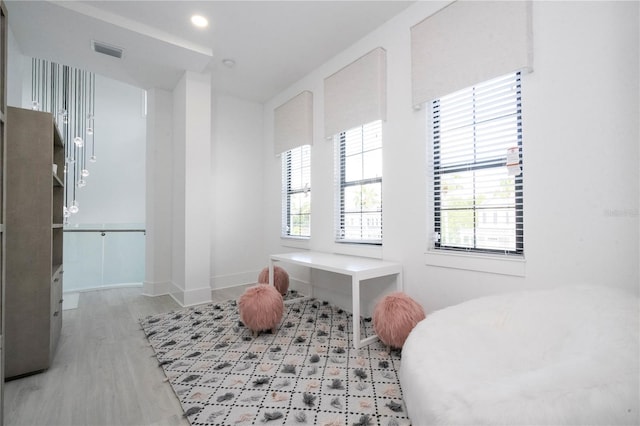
[(567, 356)]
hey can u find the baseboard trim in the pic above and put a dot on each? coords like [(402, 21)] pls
[(159, 288), (102, 287), (186, 298), (233, 280)]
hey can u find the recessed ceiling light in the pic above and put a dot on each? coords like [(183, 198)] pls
[(199, 21)]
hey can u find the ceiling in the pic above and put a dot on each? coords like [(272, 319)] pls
[(273, 43)]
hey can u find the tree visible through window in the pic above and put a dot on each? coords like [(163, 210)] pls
[(296, 192), (478, 194), (359, 184)]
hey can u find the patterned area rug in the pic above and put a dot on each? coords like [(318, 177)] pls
[(307, 373)]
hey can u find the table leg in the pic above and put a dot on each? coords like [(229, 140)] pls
[(271, 272), (355, 302)]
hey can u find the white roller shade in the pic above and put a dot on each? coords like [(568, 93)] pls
[(469, 42), (356, 94), (293, 123)]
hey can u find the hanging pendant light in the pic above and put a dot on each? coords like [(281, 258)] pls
[(68, 93)]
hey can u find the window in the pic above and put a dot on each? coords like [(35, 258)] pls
[(359, 184), (477, 168), (296, 192)]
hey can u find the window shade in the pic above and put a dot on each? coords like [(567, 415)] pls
[(468, 42), (356, 94), (293, 123)]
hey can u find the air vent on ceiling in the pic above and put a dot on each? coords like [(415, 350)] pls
[(107, 49)]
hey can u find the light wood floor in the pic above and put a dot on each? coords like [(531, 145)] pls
[(104, 372)]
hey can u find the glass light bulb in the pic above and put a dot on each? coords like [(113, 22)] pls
[(78, 141), (90, 116), (66, 212), (70, 160), (84, 172), (35, 105), (93, 159), (89, 130), (74, 208), (82, 183)]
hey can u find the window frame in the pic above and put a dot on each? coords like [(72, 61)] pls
[(287, 192), (440, 171), (342, 185)]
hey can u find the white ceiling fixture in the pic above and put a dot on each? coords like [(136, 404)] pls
[(199, 21), (229, 63), (107, 49)]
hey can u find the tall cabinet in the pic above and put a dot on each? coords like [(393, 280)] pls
[(33, 230), (3, 116)]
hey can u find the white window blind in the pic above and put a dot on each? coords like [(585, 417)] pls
[(477, 187), (358, 174), (296, 192), (467, 42), (356, 94), (293, 123)]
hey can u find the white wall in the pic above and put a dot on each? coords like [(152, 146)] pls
[(580, 119), (237, 252), (159, 200), (115, 190), (15, 71), (190, 213)]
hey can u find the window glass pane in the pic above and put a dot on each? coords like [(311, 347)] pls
[(300, 225), (372, 136), (299, 216), (456, 191), (353, 168), (372, 226), (496, 229), (371, 197), (494, 137), (457, 228), (352, 195), (353, 142), (453, 147), (363, 198), (352, 226), (372, 164)]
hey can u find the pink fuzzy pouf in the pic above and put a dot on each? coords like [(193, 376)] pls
[(261, 308), (280, 279), (394, 317)]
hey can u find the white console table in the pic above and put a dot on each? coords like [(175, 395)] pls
[(358, 268)]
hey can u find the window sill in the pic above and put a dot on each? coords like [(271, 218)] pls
[(514, 266), (295, 242)]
